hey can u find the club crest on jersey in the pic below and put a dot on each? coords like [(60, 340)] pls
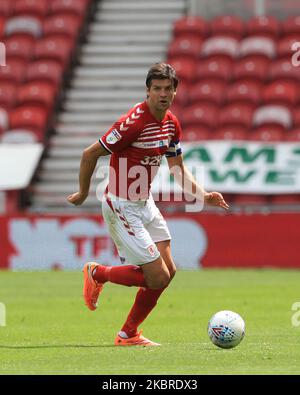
[(113, 137), (151, 250)]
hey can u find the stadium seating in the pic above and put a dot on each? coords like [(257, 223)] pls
[(216, 68), (236, 114), (38, 8), (8, 91), (248, 91), (291, 25), (196, 133), (264, 26), (259, 46), (25, 25), (54, 48), (227, 25), (31, 117), (194, 25), (253, 67), (284, 46), (284, 93), (293, 135), (185, 45), (200, 115), (45, 70), (283, 69), (184, 67), (75, 7), (266, 134), (272, 115), (37, 92), (230, 133), (19, 47), (62, 25), (208, 91), (221, 47)]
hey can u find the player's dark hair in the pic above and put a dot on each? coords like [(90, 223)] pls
[(161, 71)]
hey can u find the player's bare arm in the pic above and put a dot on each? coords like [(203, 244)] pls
[(88, 163), (189, 185)]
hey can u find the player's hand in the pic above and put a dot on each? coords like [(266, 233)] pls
[(77, 198), (216, 199)]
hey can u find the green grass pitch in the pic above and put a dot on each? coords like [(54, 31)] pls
[(50, 331)]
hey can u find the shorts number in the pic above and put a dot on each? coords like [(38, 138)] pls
[(151, 160)]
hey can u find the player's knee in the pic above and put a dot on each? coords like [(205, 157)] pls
[(172, 272), (160, 281)]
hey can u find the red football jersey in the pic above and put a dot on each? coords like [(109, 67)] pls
[(137, 142)]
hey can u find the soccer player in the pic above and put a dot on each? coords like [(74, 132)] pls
[(136, 143)]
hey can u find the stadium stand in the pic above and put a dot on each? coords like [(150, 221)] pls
[(73, 66)]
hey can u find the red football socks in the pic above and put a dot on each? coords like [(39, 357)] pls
[(145, 301), (129, 275)]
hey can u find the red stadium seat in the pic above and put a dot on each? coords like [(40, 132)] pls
[(176, 109), (14, 71), (251, 68), (2, 24), (283, 69), (284, 46), (45, 70), (296, 116), (227, 25), (185, 68), (239, 114), (188, 46), (230, 133), (77, 7), (267, 134), (182, 94), (20, 136), (244, 91), (191, 25), (37, 8), (258, 45), (281, 92), (208, 91), (270, 115), (292, 135), (250, 199), (220, 46), (265, 26), (203, 115), (291, 25), (36, 92), (29, 117), (6, 7), (19, 47), (286, 199), (62, 25), (196, 134), (23, 25), (214, 69), (4, 119), (8, 90), (57, 48)]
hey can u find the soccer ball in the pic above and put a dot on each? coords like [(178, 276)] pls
[(226, 329)]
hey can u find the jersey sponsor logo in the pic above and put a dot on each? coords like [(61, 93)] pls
[(113, 137)]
